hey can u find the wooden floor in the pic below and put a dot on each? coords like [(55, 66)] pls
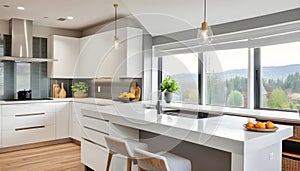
[(61, 157)]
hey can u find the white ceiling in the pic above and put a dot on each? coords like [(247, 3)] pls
[(157, 16), (167, 16), (85, 12)]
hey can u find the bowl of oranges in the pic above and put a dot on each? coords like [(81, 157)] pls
[(261, 127)]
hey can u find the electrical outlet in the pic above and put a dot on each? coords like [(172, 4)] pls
[(99, 89), (271, 156)]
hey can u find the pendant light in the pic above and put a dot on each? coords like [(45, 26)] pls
[(116, 38), (205, 34)]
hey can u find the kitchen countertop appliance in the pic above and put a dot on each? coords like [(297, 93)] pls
[(24, 95)]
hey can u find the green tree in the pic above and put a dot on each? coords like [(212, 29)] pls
[(278, 99), (235, 98)]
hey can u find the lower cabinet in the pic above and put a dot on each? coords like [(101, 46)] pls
[(27, 135), (93, 155), (34, 122)]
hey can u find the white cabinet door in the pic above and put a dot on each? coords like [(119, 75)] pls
[(62, 115), (66, 50), (0, 126), (93, 155)]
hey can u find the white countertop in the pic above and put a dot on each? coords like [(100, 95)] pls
[(282, 116), (225, 133)]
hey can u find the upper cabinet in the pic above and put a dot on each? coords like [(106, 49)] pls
[(95, 56), (66, 50)]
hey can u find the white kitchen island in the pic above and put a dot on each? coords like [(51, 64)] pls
[(247, 150)]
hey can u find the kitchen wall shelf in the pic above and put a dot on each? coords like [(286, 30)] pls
[(25, 59)]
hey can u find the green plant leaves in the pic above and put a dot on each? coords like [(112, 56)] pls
[(80, 87), (170, 85)]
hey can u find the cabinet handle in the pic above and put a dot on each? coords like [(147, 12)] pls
[(94, 143), (32, 127), (95, 130), (95, 118), (29, 114)]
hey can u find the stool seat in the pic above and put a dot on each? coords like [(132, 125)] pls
[(176, 163), (125, 147), (162, 161)]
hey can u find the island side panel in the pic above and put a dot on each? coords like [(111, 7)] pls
[(202, 158)]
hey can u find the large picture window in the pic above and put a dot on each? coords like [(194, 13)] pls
[(184, 69), (280, 76), (227, 77)]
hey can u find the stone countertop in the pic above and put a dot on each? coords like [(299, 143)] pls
[(224, 133)]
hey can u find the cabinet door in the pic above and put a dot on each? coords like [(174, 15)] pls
[(66, 50), (92, 53), (62, 115)]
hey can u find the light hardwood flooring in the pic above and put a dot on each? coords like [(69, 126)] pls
[(61, 157)]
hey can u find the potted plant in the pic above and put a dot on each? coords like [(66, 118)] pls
[(80, 89), (170, 86)]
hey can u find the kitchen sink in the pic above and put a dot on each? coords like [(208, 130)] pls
[(190, 114)]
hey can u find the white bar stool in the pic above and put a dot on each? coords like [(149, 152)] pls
[(162, 161), (124, 147)]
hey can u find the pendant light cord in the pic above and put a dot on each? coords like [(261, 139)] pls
[(205, 10), (116, 6)]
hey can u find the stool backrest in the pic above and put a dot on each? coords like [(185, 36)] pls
[(150, 161), (117, 145)]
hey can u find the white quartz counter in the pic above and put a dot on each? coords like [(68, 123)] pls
[(225, 133)]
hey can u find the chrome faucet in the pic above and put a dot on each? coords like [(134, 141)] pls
[(158, 103)]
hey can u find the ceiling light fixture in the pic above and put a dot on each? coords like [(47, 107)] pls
[(205, 34), (70, 18), (20, 8), (116, 39)]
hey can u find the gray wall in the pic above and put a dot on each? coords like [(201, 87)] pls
[(257, 22)]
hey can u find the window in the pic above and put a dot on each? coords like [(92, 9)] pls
[(227, 77), (184, 69), (280, 76)]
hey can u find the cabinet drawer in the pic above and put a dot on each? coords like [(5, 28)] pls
[(94, 135), (28, 120), (20, 109), (28, 135), (95, 123), (93, 155)]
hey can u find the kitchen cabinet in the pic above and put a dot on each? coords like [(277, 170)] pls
[(99, 58), (27, 123), (34, 122), (66, 51), (62, 116)]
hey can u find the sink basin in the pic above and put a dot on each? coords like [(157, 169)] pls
[(190, 114)]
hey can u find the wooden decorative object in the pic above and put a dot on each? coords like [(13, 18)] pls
[(56, 89), (80, 95), (62, 92), (136, 90)]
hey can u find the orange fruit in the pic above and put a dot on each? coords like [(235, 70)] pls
[(250, 125), (260, 125), (270, 125)]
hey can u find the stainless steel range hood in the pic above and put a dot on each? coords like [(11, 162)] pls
[(21, 31)]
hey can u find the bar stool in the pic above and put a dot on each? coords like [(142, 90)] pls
[(124, 147), (162, 161)]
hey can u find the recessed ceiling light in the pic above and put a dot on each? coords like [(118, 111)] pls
[(70, 18), (6, 6), (46, 17), (20, 8)]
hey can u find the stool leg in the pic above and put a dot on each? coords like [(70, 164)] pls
[(140, 169), (129, 162), (108, 161)]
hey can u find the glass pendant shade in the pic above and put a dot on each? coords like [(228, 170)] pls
[(205, 34), (116, 42)]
